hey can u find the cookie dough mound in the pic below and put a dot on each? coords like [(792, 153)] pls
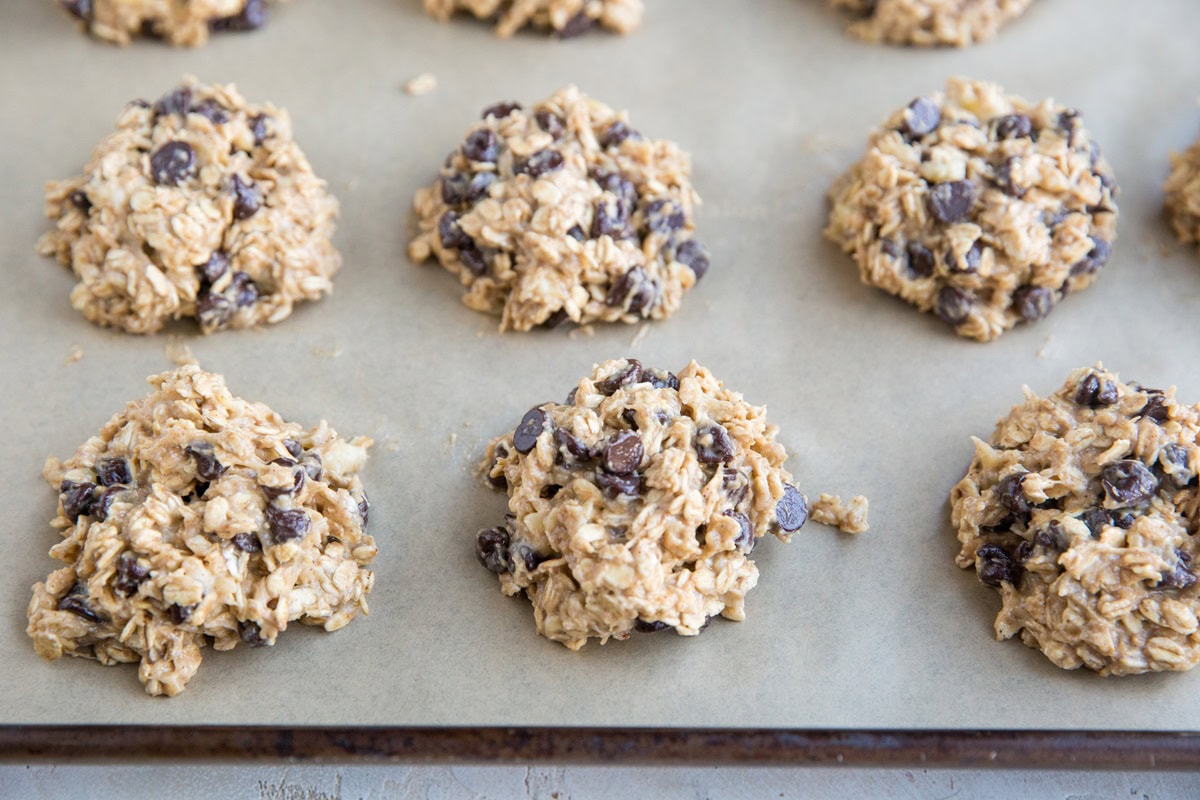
[(183, 23), (978, 206), (635, 505), (566, 18), (1082, 512), (199, 205), (1182, 191), (929, 23), (196, 516), (563, 212)]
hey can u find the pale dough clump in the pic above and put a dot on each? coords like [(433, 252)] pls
[(848, 517), (563, 212), (196, 516), (183, 23), (1183, 194), (634, 506), (199, 205), (1081, 511), (978, 206), (565, 17), (927, 23)]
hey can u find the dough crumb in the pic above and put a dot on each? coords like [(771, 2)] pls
[(177, 352), (850, 517), (75, 356), (424, 83), (640, 335)]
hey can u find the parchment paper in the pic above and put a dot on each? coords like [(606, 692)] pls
[(773, 100)]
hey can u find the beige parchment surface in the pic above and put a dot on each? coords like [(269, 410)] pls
[(773, 101)]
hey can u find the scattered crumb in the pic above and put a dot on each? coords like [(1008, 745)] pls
[(178, 352), (332, 351), (76, 354), (582, 330), (850, 517), (1041, 352), (424, 83), (392, 444), (453, 440), (640, 335), (466, 423)]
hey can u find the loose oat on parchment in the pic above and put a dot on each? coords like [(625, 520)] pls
[(196, 518), (634, 505), (978, 206), (929, 23), (183, 23), (563, 213), (566, 18), (1081, 511), (199, 206)]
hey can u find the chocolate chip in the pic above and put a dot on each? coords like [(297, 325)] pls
[(549, 491), (953, 305), (663, 216), (713, 445), (617, 184), (627, 375), (500, 110), (80, 9), (1033, 302), (540, 163), (1094, 391), (1096, 258), (575, 26), (1051, 538), (246, 198), (216, 266), (247, 542), (1122, 519), (1181, 577), (921, 117), (114, 470), (1128, 482), (745, 540), (523, 554), (473, 260), (970, 260), (661, 380), (179, 614), (212, 111), (176, 101), (611, 218), (1004, 179), (951, 201), (1175, 460), (173, 163), (571, 395), (1095, 519), (623, 455), (1011, 496), (1013, 126), (556, 319), (76, 601), (258, 128), (478, 186), (491, 548), (633, 290), (450, 234), (630, 417), (250, 632), (1156, 409), (576, 233), (243, 289), (293, 447), (574, 448), (695, 256), (526, 435), (77, 498), (1068, 123), (454, 188), (996, 567), (298, 478), (102, 506), (791, 512), (79, 199), (286, 524), (482, 145), (616, 133), (920, 262), (614, 485), (551, 123), (646, 626), (130, 575), (252, 17), (310, 462)]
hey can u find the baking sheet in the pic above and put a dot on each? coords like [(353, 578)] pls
[(773, 101)]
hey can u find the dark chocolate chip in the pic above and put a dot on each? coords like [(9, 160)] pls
[(713, 445), (286, 524), (540, 163), (1128, 482), (575, 26), (130, 575), (920, 262), (252, 17), (310, 462), (523, 554), (474, 260), (571, 395), (633, 290), (573, 447), (450, 234), (244, 290), (79, 199), (951, 201), (482, 145), (208, 468), (526, 435), (630, 417), (953, 305), (549, 491), (1095, 519), (791, 512), (551, 123), (479, 186), (1094, 391), (616, 133), (1013, 126), (250, 632), (611, 218), (179, 614), (695, 256), (663, 216), (176, 101), (1096, 258), (745, 540), (1156, 409), (556, 319), (247, 542), (246, 198), (212, 111), (454, 188), (1011, 496), (491, 548), (970, 260), (623, 455), (1181, 577), (102, 506), (613, 485), (576, 233), (258, 128), (173, 163), (216, 266), (647, 626), (114, 470), (1004, 179), (996, 567), (1033, 302), (293, 447), (80, 9), (921, 117), (298, 479), (76, 601), (1051, 538), (1175, 460), (662, 380), (77, 498), (618, 185), (500, 110), (627, 375)]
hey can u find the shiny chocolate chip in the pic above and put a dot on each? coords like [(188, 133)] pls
[(791, 512), (491, 548), (526, 435)]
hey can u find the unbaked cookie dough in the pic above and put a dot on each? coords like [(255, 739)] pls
[(928, 23), (566, 18), (195, 516), (635, 505), (1082, 512), (978, 206), (183, 23), (199, 205), (563, 212), (1182, 191)]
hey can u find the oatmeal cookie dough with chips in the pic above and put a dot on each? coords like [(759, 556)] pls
[(566, 18), (929, 23), (199, 206), (196, 517), (635, 505), (563, 212), (1182, 191), (978, 206), (1081, 511), (183, 23)]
